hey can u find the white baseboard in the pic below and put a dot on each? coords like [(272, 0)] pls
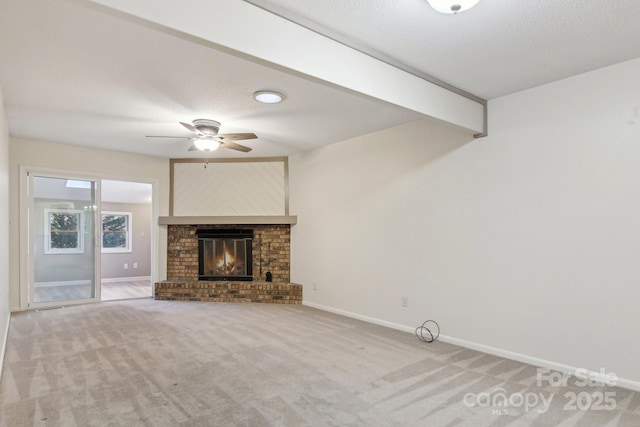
[(125, 279), (542, 363), (360, 317), (628, 384), (62, 283), (4, 345)]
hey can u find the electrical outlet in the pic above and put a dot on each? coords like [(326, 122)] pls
[(126, 266), (404, 301), (315, 286), (135, 265)]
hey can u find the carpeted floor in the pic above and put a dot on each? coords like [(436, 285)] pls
[(165, 363)]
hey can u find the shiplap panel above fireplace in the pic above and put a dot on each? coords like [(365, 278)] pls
[(230, 188)]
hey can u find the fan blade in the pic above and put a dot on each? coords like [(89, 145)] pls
[(234, 146), (190, 127), (193, 148), (237, 136), (162, 136)]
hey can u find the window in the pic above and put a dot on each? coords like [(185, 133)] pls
[(116, 232), (63, 231)]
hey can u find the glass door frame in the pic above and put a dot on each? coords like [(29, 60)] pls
[(27, 173)]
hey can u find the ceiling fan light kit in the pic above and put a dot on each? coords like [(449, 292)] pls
[(452, 6), (207, 138), (268, 96), (205, 144)]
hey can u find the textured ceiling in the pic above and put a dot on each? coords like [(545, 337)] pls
[(80, 75), (75, 74), (496, 48)]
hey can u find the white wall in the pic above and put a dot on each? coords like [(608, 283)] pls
[(106, 164), (526, 241), (4, 230)]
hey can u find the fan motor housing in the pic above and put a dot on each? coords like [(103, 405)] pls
[(207, 127)]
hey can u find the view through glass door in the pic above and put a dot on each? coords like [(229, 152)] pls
[(62, 238), (127, 229)]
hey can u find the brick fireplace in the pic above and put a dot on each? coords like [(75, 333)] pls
[(270, 252)]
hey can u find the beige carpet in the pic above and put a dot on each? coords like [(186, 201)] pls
[(167, 363)]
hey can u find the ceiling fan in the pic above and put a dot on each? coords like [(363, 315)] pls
[(207, 138)]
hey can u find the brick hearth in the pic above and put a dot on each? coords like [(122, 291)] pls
[(264, 292)]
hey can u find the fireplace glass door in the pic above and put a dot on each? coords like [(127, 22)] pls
[(224, 257)]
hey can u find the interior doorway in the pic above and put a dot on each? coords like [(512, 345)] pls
[(126, 240)]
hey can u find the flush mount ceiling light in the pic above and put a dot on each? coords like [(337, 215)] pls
[(268, 96), (452, 6), (206, 144)]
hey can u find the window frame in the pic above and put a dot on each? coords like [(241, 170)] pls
[(48, 250), (129, 232)]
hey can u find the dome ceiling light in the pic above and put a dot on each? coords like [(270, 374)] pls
[(268, 96), (206, 144), (452, 6)]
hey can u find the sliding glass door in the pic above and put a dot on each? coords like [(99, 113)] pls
[(62, 240)]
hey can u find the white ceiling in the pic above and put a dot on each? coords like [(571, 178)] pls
[(77, 74), (494, 49)]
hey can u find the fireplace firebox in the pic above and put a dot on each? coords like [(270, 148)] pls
[(225, 255)]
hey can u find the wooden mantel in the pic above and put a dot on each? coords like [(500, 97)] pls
[(227, 220)]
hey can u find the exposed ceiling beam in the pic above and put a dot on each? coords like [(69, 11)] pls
[(251, 31)]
